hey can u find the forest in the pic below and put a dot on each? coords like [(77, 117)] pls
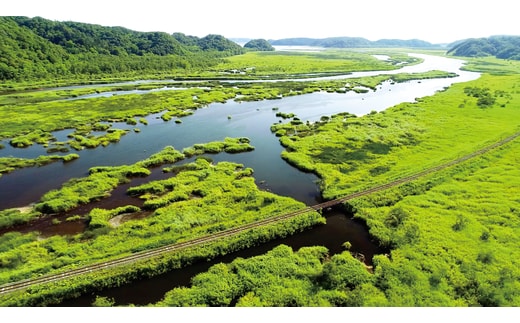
[(37, 48), (504, 47)]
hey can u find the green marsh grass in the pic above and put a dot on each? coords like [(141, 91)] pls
[(293, 63), (8, 164), (207, 191), (351, 153)]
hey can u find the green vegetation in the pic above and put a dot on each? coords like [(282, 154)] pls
[(350, 153), (38, 48), (229, 145), (99, 184), (452, 235), (35, 110), (281, 277), (192, 203), (259, 45), (8, 164), (291, 64), (102, 180), (56, 115), (455, 243), (55, 292), (79, 142), (491, 65), (504, 47), (11, 217), (46, 111)]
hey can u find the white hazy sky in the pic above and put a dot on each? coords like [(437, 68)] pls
[(437, 21)]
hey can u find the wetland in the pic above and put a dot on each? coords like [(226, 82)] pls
[(386, 121)]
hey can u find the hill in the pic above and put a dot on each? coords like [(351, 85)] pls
[(77, 38), (352, 42), (24, 52), (505, 47), (259, 45), (35, 48)]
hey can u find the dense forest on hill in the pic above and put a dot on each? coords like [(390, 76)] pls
[(37, 48), (504, 47), (352, 42), (259, 45)]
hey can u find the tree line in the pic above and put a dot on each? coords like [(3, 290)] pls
[(504, 47), (37, 48)]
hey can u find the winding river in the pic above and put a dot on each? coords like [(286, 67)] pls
[(247, 119)]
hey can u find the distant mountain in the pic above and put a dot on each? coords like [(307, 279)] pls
[(295, 42), (505, 47), (352, 42), (414, 43)]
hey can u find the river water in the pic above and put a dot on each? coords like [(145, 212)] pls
[(248, 119), (214, 123)]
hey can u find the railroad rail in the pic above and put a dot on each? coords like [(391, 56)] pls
[(147, 254)]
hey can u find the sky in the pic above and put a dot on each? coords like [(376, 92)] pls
[(437, 21)]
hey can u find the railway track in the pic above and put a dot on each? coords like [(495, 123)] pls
[(147, 254), (416, 175)]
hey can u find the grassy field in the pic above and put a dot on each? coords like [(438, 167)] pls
[(452, 235), (453, 238), (289, 64)]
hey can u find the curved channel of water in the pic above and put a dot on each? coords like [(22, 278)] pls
[(250, 119), (429, 63)]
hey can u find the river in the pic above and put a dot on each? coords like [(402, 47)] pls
[(248, 119), (214, 123)]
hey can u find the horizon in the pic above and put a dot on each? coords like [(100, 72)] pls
[(446, 22)]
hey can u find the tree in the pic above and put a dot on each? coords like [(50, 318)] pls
[(344, 271), (396, 217)]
